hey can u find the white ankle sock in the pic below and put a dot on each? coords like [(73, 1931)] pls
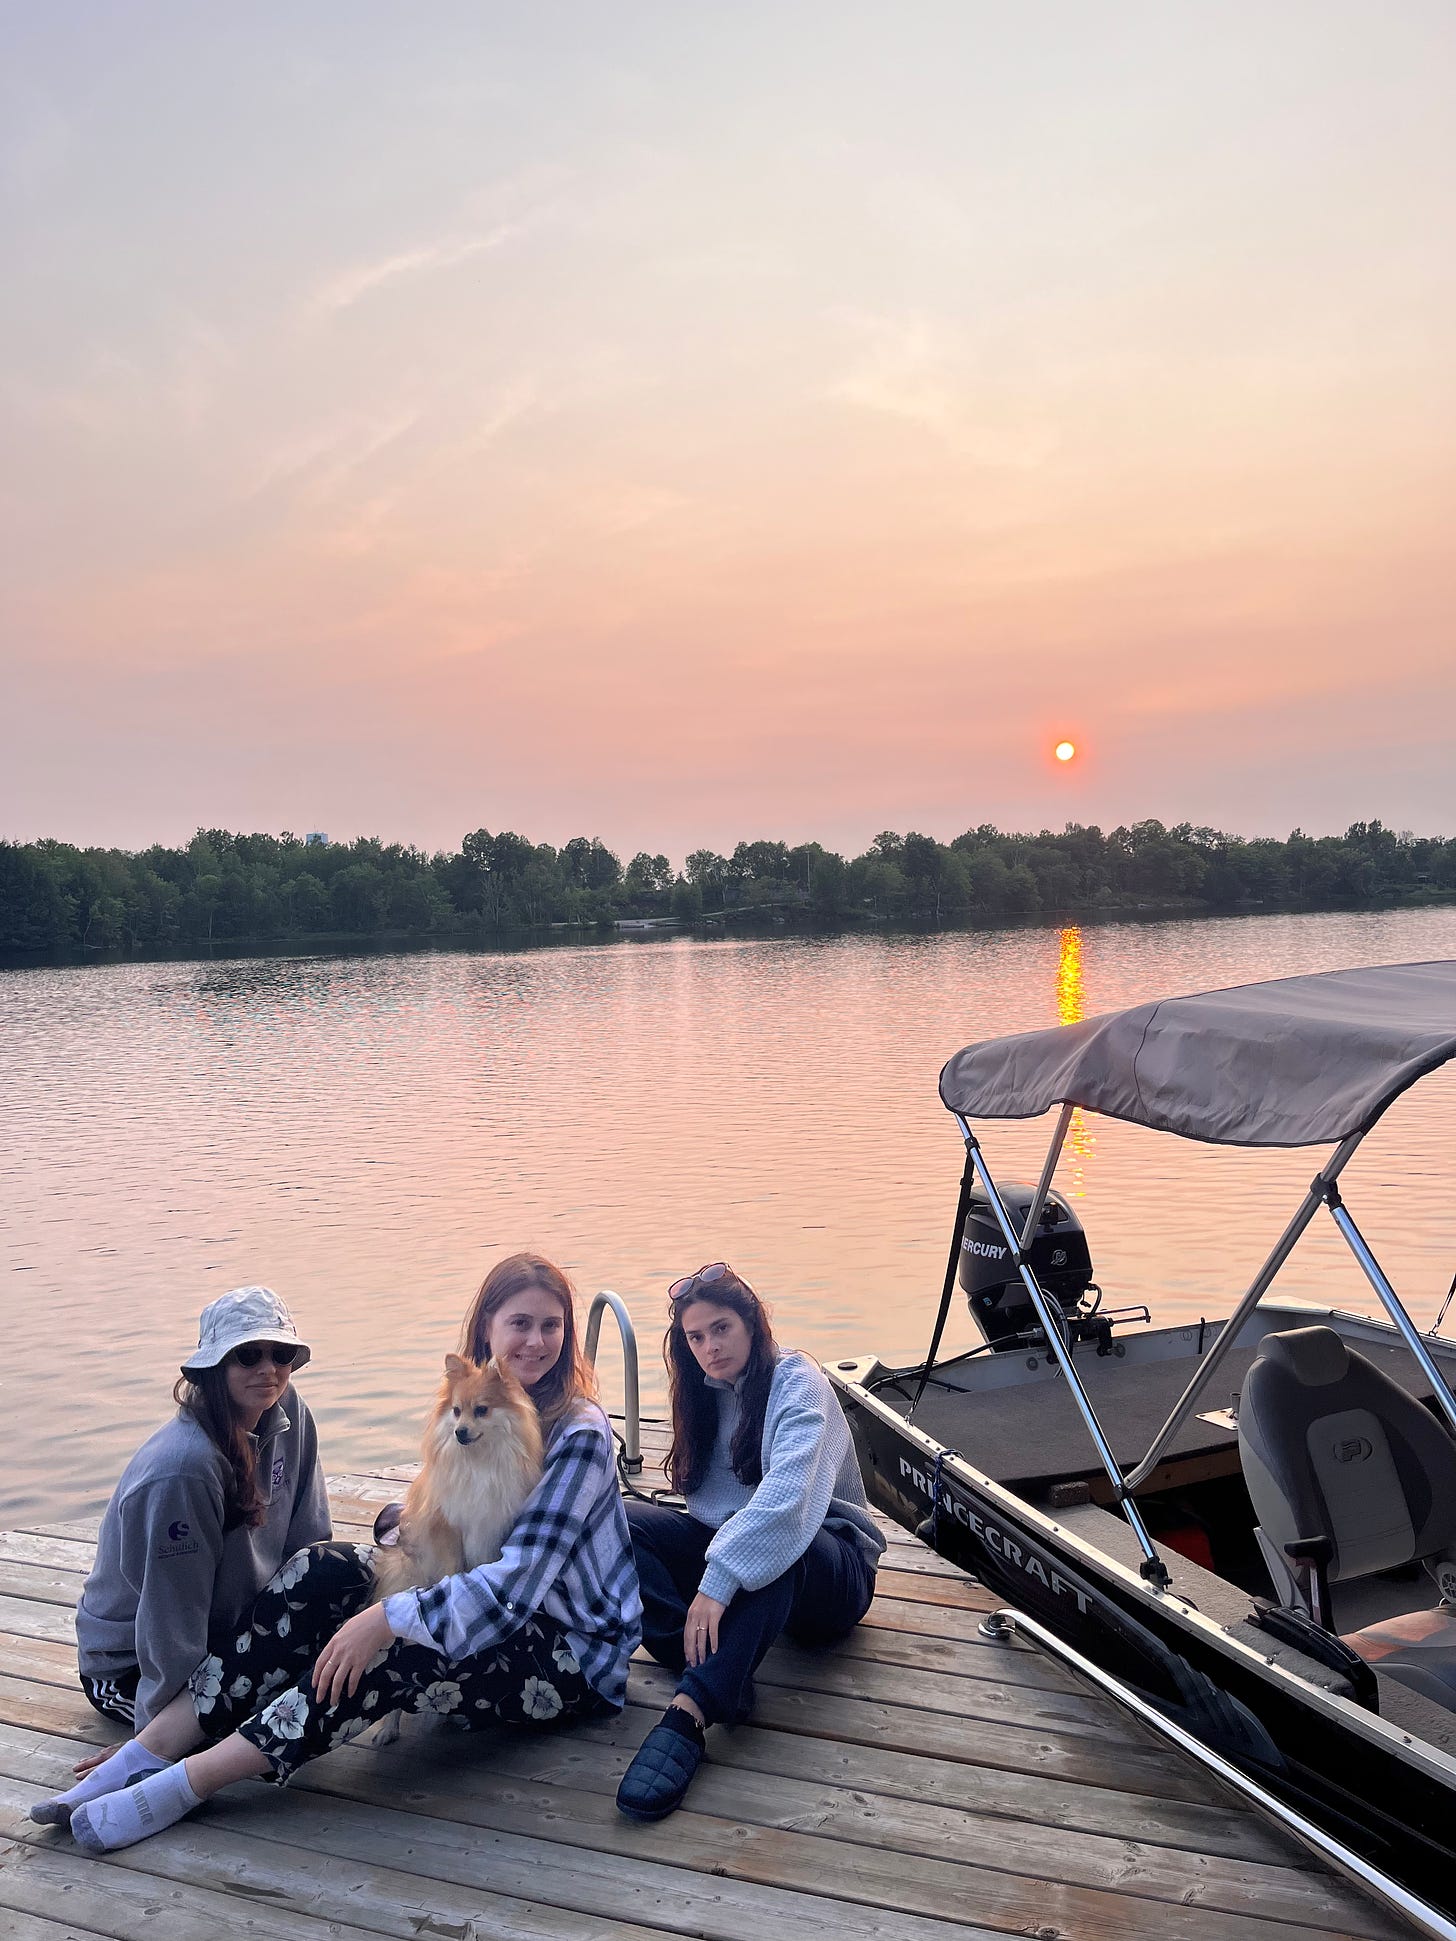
[(121, 1819), (129, 1762)]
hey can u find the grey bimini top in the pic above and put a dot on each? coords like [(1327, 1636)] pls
[(1294, 1061), (166, 1578)]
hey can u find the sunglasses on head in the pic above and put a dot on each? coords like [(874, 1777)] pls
[(704, 1277), (278, 1354)]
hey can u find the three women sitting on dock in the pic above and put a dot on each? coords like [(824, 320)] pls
[(776, 1537)]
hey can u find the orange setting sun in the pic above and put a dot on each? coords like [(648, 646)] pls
[(1065, 750)]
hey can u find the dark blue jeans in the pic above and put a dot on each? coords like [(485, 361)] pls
[(819, 1600)]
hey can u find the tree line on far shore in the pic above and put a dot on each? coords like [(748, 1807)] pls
[(232, 888)]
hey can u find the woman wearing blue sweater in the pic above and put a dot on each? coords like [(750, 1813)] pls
[(777, 1536)]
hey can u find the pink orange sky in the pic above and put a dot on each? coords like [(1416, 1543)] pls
[(683, 423)]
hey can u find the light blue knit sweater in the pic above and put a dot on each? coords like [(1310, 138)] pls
[(810, 1480)]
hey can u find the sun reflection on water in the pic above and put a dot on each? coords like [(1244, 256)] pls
[(1071, 1009)]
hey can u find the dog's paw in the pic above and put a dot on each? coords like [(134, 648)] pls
[(383, 1732)]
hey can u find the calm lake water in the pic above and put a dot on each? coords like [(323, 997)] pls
[(367, 1134)]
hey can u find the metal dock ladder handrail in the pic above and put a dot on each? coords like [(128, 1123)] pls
[(632, 1405)]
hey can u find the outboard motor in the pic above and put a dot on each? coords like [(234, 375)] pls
[(1059, 1257)]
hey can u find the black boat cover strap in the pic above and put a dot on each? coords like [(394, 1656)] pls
[(1298, 1628), (1298, 1061), (963, 1207)]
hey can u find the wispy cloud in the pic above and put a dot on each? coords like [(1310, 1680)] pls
[(919, 370), (316, 464), (900, 370), (351, 286)]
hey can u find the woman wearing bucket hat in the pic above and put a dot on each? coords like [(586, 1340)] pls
[(205, 1512)]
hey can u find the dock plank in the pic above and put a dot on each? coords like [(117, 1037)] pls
[(39, 1877), (245, 1887), (285, 1849), (857, 1876), (793, 1811), (1045, 1802), (27, 1620), (1106, 1759), (21, 1925), (40, 1583), (913, 1784)]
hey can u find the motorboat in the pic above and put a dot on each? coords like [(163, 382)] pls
[(1245, 1527)]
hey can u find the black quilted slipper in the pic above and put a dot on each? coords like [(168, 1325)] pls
[(654, 1784)]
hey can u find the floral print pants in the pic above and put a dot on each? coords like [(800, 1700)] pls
[(258, 1685)]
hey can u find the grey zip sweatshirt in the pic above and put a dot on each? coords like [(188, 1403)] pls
[(166, 1578)]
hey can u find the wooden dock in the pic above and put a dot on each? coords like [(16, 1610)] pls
[(914, 1784)]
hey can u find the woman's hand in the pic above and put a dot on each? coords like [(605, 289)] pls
[(92, 1761), (341, 1663), (700, 1633)]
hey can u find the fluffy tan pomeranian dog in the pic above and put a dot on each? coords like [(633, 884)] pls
[(481, 1460)]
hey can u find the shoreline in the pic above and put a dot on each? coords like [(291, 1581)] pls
[(757, 922)]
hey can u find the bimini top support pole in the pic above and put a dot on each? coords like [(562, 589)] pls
[(1054, 1327), (1392, 1303), (1319, 1188), (1044, 1184)]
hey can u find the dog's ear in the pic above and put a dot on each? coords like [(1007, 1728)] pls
[(455, 1367)]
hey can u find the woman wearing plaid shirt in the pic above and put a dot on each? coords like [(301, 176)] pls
[(541, 1635)]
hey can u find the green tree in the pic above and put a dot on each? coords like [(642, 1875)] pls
[(830, 885), (416, 902), (707, 872), (35, 911), (987, 882), (647, 874), (307, 904), (935, 877), (687, 900), (356, 897)]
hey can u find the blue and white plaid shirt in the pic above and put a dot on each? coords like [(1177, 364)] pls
[(568, 1557)]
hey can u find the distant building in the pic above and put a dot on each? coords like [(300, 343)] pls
[(316, 839)]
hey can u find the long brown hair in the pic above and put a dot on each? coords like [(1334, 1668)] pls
[(570, 1378), (204, 1396), (695, 1405)]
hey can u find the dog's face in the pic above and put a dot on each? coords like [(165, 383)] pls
[(472, 1395)]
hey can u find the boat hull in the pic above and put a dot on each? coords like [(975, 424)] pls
[(1391, 1799)]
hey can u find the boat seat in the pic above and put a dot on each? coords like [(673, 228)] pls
[(1349, 1475)]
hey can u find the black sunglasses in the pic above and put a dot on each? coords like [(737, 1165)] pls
[(704, 1277), (249, 1357)]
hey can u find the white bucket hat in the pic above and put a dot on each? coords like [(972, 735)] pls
[(241, 1315)]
